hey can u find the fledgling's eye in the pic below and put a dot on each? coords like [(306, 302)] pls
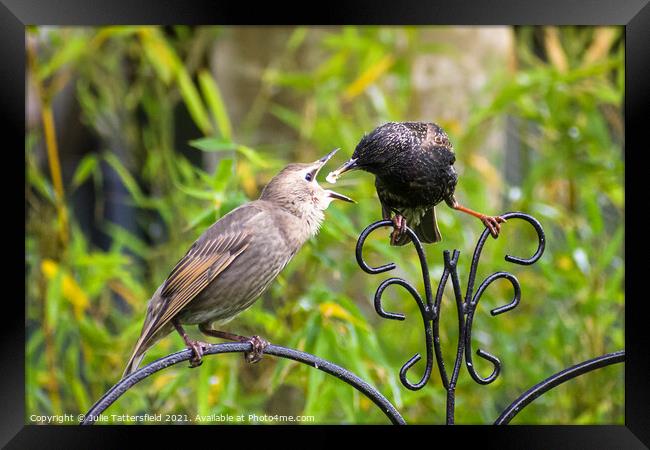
[(309, 177)]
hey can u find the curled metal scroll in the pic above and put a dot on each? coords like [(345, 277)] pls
[(466, 305), (321, 364)]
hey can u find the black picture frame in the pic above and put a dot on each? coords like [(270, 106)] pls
[(634, 15)]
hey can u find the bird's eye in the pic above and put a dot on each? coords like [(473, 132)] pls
[(309, 176)]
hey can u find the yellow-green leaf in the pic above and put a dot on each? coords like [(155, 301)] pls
[(215, 102)]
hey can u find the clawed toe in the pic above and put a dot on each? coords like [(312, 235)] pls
[(197, 348), (493, 223), (255, 355)]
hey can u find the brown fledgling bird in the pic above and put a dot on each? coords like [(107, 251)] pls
[(413, 167), (233, 262)]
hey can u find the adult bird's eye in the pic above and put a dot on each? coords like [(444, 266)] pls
[(309, 177)]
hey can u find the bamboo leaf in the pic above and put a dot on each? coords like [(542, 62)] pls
[(287, 116), (41, 184), (161, 56), (126, 177), (368, 76), (53, 298), (213, 144), (223, 174), (254, 158), (73, 48), (215, 102), (193, 101), (86, 167)]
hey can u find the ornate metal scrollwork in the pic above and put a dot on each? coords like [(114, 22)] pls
[(466, 305)]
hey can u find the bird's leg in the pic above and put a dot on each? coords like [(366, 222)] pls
[(493, 223), (258, 343), (399, 223), (196, 346)]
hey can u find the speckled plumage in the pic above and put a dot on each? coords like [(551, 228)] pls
[(413, 167)]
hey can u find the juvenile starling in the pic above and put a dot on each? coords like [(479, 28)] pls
[(235, 260), (413, 167)]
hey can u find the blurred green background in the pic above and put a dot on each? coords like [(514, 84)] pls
[(138, 138)]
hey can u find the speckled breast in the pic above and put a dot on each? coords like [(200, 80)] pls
[(423, 179)]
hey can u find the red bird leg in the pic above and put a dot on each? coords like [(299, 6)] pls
[(196, 346), (493, 223), (258, 343)]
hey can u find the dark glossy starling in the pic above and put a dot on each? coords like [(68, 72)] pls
[(235, 260), (413, 167)]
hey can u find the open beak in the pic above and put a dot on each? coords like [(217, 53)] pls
[(318, 166), (327, 157), (319, 163), (347, 167), (336, 195)]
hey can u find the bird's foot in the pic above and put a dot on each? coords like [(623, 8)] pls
[(399, 224), (259, 345), (197, 348), (493, 223)]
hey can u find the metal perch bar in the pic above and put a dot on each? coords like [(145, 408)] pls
[(328, 367), (565, 375)]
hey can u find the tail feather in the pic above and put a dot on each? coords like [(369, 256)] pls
[(145, 340), (427, 230), (133, 364)]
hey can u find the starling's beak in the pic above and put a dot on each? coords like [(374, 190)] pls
[(347, 167)]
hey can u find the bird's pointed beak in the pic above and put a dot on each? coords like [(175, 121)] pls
[(327, 157), (350, 165), (338, 196), (318, 165)]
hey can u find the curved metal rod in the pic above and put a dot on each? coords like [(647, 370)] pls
[(555, 380), (471, 300), (405, 284), (390, 266), (428, 333), (362, 240), (328, 367), (427, 310), (496, 363), (450, 267), (541, 240)]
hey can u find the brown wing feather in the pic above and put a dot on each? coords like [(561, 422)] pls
[(202, 263)]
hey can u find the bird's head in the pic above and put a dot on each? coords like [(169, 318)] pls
[(378, 150), (296, 190)]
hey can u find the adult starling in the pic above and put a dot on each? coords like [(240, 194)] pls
[(235, 260), (413, 167)]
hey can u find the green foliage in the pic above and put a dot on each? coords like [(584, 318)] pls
[(85, 305)]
